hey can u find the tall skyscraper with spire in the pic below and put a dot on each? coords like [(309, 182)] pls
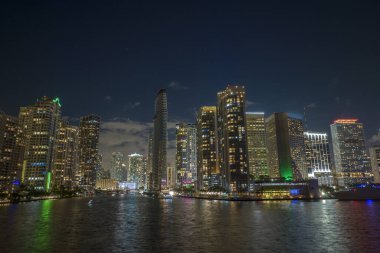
[(39, 125), (208, 173), (160, 138), (89, 158), (232, 141)]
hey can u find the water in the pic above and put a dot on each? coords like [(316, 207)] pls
[(141, 224)]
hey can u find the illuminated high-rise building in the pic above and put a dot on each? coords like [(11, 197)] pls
[(135, 168), (257, 148), (39, 124), (10, 164), (375, 162), (297, 147), (286, 147), (232, 139), (350, 155), (118, 166), (186, 153), (160, 138), (318, 161), (65, 155), (208, 171), (279, 156), (149, 165), (89, 160), (172, 176)]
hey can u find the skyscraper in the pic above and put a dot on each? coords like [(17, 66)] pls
[(39, 124), (232, 141), (10, 164), (257, 148), (318, 158), (149, 177), (186, 153), (297, 147), (279, 156), (160, 138), (118, 167), (208, 171), (286, 147), (65, 155), (375, 162), (172, 176), (350, 156), (135, 168), (89, 127)]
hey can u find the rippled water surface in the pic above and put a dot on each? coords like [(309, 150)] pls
[(141, 224)]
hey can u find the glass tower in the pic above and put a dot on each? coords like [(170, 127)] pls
[(232, 139), (350, 156)]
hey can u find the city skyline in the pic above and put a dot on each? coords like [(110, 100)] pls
[(291, 57)]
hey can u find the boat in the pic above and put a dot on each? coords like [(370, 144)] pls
[(360, 192), (165, 196)]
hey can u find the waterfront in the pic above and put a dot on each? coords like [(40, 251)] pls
[(141, 224)]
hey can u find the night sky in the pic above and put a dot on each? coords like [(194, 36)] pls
[(111, 57)]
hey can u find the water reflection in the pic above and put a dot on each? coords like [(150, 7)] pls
[(41, 238), (142, 224)]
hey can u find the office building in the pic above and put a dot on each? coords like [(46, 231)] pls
[(89, 160), (38, 129), (186, 153), (257, 148), (232, 139), (375, 162), (65, 156), (318, 162), (135, 168), (350, 156), (160, 138), (118, 167), (10, 164), (208, 171)]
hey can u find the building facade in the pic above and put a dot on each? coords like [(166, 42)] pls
[(350, 156), (208, 170), (232, 139), (279, 155), (65, 156), (186, 153), (39, 124), (297, 147), (135, 169), (257, 147), (318, 160), (10, 163), (159, 145), (118, 167), (89, 128), (375, 162)]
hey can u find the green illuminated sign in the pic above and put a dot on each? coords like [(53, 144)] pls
[(56, 100)]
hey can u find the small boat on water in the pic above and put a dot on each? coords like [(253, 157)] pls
[(165, 196), (360, 192), (90, 202)]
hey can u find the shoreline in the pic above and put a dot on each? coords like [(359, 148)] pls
[(252, 199), (36, 199)]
